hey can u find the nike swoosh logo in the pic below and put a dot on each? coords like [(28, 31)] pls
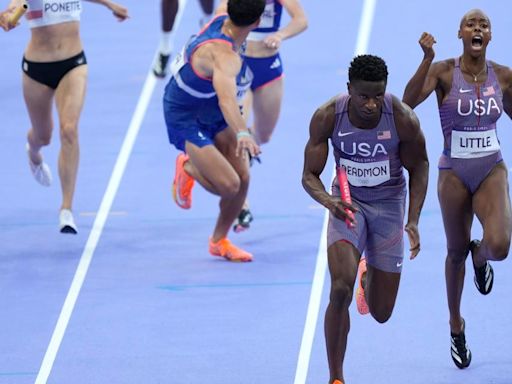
[(340, 134), (462, 90), (398, 265)]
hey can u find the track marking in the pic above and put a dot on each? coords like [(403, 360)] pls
[(315, 297)]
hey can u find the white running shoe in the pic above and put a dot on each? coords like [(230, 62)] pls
[(67, 223), (41, 172)]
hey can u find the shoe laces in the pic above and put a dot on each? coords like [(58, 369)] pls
[(460, 343)]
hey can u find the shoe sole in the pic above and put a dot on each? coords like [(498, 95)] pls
[(68, 229), (245, 260), (239, 228), (175, 197), (159, 75), (465, 365)]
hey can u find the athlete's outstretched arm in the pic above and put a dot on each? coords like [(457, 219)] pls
[(298, 23), (315, 158), (118, 10), (413, 155), (6, 15), (226, 66), (222, 7), (424, 81)]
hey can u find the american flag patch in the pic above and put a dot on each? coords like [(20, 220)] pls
[(488, 91), (383, 135)]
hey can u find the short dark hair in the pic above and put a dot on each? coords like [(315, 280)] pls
[(245, 12), (368, 68)]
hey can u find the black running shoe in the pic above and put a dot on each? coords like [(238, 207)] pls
[(160, 65), (243, 221), (484, 275), (461, 355)]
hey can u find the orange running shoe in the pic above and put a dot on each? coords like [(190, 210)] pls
[(362, 305), (182, 184), (226, 249), (337, 382)]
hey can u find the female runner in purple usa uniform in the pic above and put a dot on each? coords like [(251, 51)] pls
[(472, 93)]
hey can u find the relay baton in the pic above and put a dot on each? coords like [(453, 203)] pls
[(20, 11), (345, 193)]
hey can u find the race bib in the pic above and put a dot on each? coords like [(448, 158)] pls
[(469, 145), (366, 174)]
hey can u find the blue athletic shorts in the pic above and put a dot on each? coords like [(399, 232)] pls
[(188, 119), (264, 69)]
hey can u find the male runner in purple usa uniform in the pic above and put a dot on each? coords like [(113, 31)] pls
[(472, 92), (374, 136)]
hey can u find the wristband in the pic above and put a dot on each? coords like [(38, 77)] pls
[(241, 134)]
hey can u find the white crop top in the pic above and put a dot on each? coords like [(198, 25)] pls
[(47, 12)]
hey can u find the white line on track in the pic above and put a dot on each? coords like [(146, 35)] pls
[(97, 229), (315, 297), (99, 222)]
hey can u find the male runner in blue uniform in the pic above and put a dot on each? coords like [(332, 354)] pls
[(204, 120)]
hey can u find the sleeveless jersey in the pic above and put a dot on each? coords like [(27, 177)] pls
[(199, 90), (469, 115), (270, 21), (370, 156), (48, 12)]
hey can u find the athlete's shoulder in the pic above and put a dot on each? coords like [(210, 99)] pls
[(403, 113), (442, 66), (324, 117), (501, 69), (328, 108)]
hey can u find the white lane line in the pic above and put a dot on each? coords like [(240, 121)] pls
[(101, 218), (315, 297), (99, 222), (94, 236)]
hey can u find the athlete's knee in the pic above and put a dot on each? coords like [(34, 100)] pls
[(262, 135), (341, 293), (381, 311), (40, 138), (264, 138), (68, 133), (498, 246), (456, 257), (244, 176), (228, 187)]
